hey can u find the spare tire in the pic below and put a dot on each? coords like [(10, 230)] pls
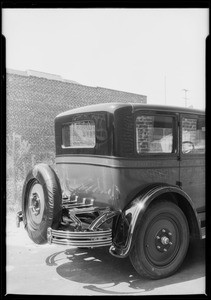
[(41, 202)]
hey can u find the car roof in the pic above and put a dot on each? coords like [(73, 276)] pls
[(112, 107)]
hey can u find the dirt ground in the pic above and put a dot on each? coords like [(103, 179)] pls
[(63, 270)]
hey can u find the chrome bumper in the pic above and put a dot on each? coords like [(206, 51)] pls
[(19, 218), (74, 232), (80, 238), (91, 237)]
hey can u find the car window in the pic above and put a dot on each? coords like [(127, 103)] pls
[(193, 135), (154, 134), (78, 134)]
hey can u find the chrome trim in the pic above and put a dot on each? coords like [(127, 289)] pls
[(78, 147), (102, 219), (75, 220), (81, 238), (83, 210), (76, 205), (92, 236), (19, 218), (69, 204)]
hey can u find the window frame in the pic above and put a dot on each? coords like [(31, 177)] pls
[(175, 148)]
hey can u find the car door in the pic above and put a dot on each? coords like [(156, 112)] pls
[(157, 146), (192, 159)]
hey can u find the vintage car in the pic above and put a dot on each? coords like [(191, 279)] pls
[(128, 176)]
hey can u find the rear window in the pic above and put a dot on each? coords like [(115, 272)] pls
[(79, 134)]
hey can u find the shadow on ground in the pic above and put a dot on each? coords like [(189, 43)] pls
[(93, 267)]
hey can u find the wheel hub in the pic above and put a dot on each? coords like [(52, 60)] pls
[(35, 207), (36, 204), (163, 240)]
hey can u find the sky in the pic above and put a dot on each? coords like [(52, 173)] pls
[(154, 52)]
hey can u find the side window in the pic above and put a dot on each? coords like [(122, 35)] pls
[(193, 135), (154, 134)]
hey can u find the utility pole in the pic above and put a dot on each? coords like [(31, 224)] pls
[(185, 90)]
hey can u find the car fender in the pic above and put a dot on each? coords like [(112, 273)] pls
[(132, 214)]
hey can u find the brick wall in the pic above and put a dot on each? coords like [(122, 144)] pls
[(33, 102), (33, 99)]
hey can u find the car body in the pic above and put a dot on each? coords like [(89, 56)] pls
[(117, 164)]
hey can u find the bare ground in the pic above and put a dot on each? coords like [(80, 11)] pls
[(63, 270)]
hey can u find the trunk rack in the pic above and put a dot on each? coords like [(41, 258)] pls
[(82, 224), (79, 234)]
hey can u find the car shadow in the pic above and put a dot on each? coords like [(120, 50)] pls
[(95, 267)]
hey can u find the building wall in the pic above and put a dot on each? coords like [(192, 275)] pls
[(33, 102), (33, 99)]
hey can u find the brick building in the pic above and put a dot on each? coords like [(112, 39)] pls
[(35, 98)]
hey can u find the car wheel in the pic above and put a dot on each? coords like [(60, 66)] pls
[(41, 202), (162, 241)]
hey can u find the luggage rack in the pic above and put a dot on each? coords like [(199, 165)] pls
[(74, 232)]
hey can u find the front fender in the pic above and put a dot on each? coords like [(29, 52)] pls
[(132, 215)]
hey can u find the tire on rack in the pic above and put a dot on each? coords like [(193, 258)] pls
[(162, 241), (41, 202)]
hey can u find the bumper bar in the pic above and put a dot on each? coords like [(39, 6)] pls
[(80, 239), (19, 218)]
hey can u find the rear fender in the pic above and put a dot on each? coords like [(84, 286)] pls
[(128, 223)]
